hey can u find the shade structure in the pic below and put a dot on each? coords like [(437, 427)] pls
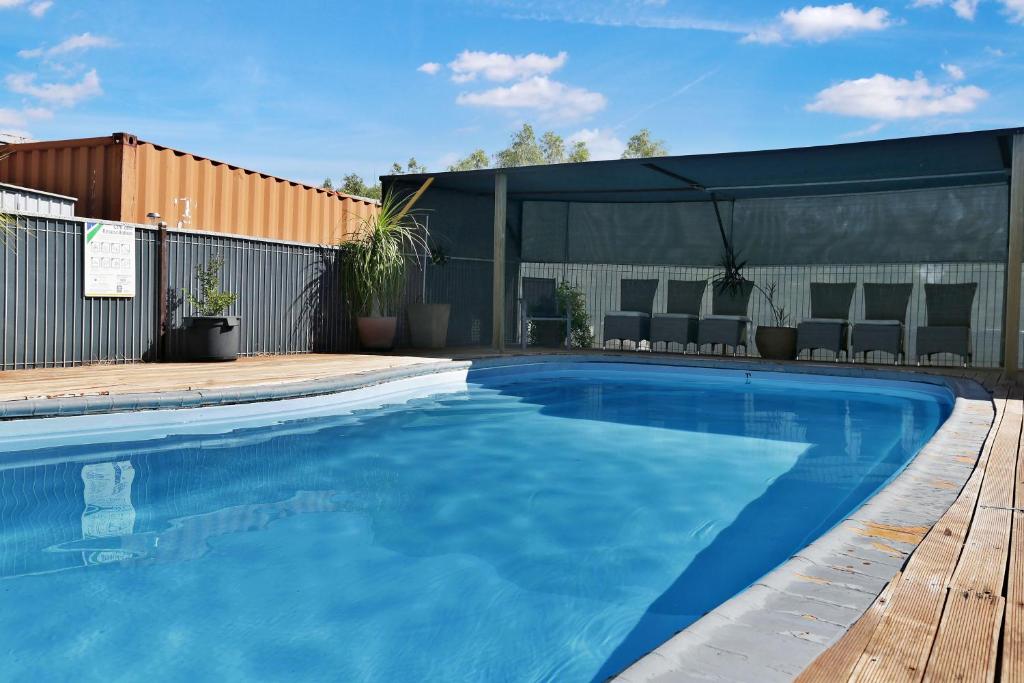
[(932, 209)]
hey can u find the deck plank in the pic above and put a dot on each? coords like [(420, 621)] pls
[(837, 662), (900, 647)]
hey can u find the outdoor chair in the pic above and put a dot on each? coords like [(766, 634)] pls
[(679, 323), (539, 304), (728, 324), (885, 317), (633, 321), (828, 327), (949, 321)]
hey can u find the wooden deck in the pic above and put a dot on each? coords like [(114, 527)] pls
[(134, 378), (956, 610)]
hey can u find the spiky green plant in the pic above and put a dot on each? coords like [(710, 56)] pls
[(375, 256)]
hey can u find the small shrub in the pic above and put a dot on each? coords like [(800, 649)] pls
[(211, 301)]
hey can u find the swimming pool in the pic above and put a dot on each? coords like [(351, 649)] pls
[(536, 522)]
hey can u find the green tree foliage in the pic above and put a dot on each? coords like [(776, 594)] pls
[(475, 161), (572, 296), (412, 166), (641, 146), (353, 184), (327, 184), (524, 150), (579, 152), (552, 146)]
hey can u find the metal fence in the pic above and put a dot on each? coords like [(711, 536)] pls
[(600, 286), (288, 296)]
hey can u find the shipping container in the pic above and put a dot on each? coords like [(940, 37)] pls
[(122, 178)]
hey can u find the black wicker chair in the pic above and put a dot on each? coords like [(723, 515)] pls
[(729, 323), (885, 318), (633, 321), (679, 323), (539, 305), (828, 327), (949, 321)]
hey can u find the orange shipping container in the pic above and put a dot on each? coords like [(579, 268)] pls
[(122, 178)]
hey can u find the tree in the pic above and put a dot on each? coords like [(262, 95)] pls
[(327, 184), (353, 184), (641, 146), (579, 152), (412, 166), (552, 146), (524, 150), (476, 160)]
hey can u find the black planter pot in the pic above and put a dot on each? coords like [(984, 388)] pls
[(212, 338), (776, 343)]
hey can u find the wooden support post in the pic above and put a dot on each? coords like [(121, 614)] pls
[(1014, 255), (500, 213)]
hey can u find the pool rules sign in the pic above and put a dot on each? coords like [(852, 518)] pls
[(109, 260)]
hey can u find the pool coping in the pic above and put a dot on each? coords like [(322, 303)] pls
[(776, 627)]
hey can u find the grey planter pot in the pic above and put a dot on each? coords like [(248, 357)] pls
[(776, 343), (428, 325), (212, 338)]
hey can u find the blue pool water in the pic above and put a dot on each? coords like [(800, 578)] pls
[(548, 525)]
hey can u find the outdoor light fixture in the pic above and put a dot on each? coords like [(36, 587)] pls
[(153, 216)]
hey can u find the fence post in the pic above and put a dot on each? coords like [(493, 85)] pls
[(1014, 255), (161, 293), (500, 213)]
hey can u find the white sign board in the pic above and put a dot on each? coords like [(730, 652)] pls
[(109, 260)]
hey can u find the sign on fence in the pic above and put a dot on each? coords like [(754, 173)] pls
[(109, 260)]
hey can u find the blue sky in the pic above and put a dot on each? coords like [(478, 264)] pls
[(307, 90)]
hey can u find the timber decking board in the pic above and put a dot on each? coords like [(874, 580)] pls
[(838, 661), (107, 379), (956, 605)]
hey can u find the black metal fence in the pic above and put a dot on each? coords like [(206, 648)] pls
[(600, 286)]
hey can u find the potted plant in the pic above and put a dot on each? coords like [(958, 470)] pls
[(428, 323), (373, 263), (211, 335), (778, 341)]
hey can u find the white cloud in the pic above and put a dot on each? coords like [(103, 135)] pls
[(818, 24), (61, 94), (863, 132), (496, 66), (965, 9), (84, 41), (429, 68), (602, 143), (36, 9), (13, 122), (885, 97), (954, 72), (968, 9), (553, 100), (1014, 9)]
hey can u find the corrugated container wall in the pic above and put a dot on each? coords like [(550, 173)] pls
[(123, 178)]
